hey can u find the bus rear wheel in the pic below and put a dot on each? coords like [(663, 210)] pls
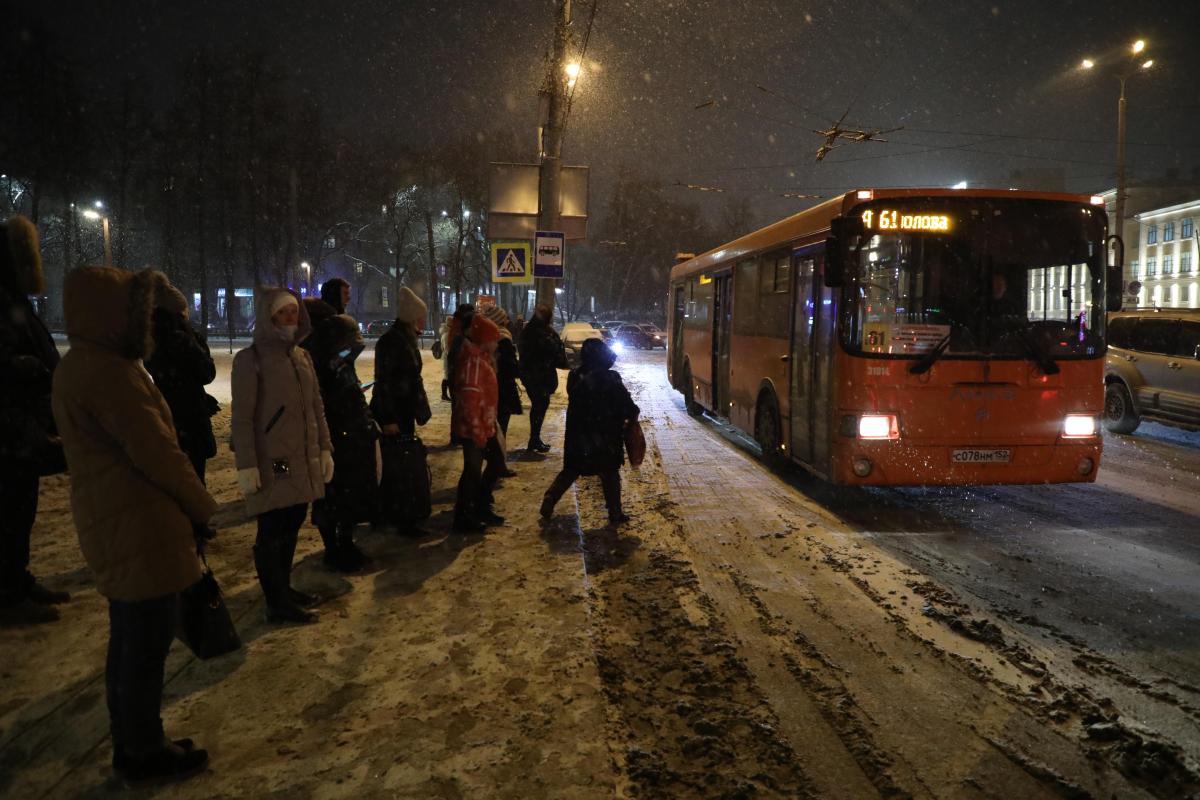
[(1119, 413), (689, 393), (767, 430)]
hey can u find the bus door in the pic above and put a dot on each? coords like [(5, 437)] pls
[(824, 338), (721, 339), (801, 407), (679, 309)]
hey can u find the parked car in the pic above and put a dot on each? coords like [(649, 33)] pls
[(573, 335), (1152, 369), (378, 327), (632, 336), (658, 338)]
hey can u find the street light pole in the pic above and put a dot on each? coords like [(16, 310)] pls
[(550, 172), (107, 242)]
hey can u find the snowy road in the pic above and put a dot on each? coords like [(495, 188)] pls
[(749, 634)]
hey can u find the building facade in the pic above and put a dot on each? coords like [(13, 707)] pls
[(1166, 269)]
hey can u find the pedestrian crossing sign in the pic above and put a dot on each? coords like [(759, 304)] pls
[(511, 262)]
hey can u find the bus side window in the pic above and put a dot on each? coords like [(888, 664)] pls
[(775, 299), (745, 296)]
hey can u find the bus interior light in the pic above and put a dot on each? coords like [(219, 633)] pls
[(878, 426), (1079, 426)]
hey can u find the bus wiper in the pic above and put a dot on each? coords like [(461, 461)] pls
[(1038, 353), (925, 362)]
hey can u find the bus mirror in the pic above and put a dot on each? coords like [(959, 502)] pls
[(1114, 280), (835, 246)]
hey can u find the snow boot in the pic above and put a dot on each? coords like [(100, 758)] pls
[(172, 762), (352, 555), (548, 503)]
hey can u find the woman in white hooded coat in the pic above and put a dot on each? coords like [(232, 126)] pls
[(281, 442)]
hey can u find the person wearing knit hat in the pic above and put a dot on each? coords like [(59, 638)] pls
[(473, 425), (28, 359), (399, 404), (182, 366), (281, 443), (507, 372)]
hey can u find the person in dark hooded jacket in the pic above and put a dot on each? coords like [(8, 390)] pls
[(542, 355), (28, 359), (349, 499), (181, 367), (599, 408), (398, 400)]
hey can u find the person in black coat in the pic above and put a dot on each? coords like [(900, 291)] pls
[(350, 497), (542, 355), (182, 366), (398, 400), (507, 369), (29, 443), (599, 408), (336, 292)]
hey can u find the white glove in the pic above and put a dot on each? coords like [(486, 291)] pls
[(248, 480), (327, 466), (378, 464)]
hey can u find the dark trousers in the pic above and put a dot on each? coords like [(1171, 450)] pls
[(502, 418), (199, 462), (610, 481), (140, 634), (538, 403), (476, 483), (274, 549), (19, 503)]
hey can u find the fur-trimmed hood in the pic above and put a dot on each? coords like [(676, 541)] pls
[(20, 258), (112, 308)]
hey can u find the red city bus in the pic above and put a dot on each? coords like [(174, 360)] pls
[(907, 336)]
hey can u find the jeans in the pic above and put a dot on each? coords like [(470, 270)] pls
[(610, 481), (140, 634), (476, 482), (538, 403), (19, 503)]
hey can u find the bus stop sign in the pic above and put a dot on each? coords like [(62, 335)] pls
[(549, 254)]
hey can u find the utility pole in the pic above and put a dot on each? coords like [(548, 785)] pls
[(550, 173), (1120, 210)]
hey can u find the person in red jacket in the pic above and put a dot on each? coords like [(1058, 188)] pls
[(473, 425)]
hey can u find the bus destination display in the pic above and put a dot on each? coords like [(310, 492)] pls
[(889, 219)]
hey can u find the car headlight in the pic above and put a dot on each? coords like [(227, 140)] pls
[(617, 347), (878, 426), (1079, 426)]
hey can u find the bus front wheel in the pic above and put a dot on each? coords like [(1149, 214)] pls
[(767, 430), (1119, 413)]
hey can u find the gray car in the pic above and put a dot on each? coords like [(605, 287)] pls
[(1152, 369)]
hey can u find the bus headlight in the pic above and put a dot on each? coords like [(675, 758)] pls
[(618, 347), (878, 426), (1079, 426)]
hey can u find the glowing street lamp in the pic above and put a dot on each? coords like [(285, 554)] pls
[(93, 214), (1124, 70), (572, 71), (304, 265)]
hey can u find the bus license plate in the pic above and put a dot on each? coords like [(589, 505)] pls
[(990, 456)]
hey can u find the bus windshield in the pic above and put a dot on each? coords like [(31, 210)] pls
[(975, 278)]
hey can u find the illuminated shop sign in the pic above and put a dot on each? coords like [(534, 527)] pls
[(889, 219)]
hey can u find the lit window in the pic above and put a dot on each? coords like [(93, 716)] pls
[(1133, 269), (383, 296), (1186, 228), (1151, 268), (1183, 294), (1185, 261), (1151, 234), (1168, 231), (1168, 265)]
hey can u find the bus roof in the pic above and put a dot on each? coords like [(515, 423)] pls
[(815, 220)]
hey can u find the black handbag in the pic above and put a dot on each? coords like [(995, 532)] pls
[(405, 494), (205, 625)]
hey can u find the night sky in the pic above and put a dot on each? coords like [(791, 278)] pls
[(981, 88)]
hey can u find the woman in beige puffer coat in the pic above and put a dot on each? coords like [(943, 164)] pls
[(136, 502), (281, 442)]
